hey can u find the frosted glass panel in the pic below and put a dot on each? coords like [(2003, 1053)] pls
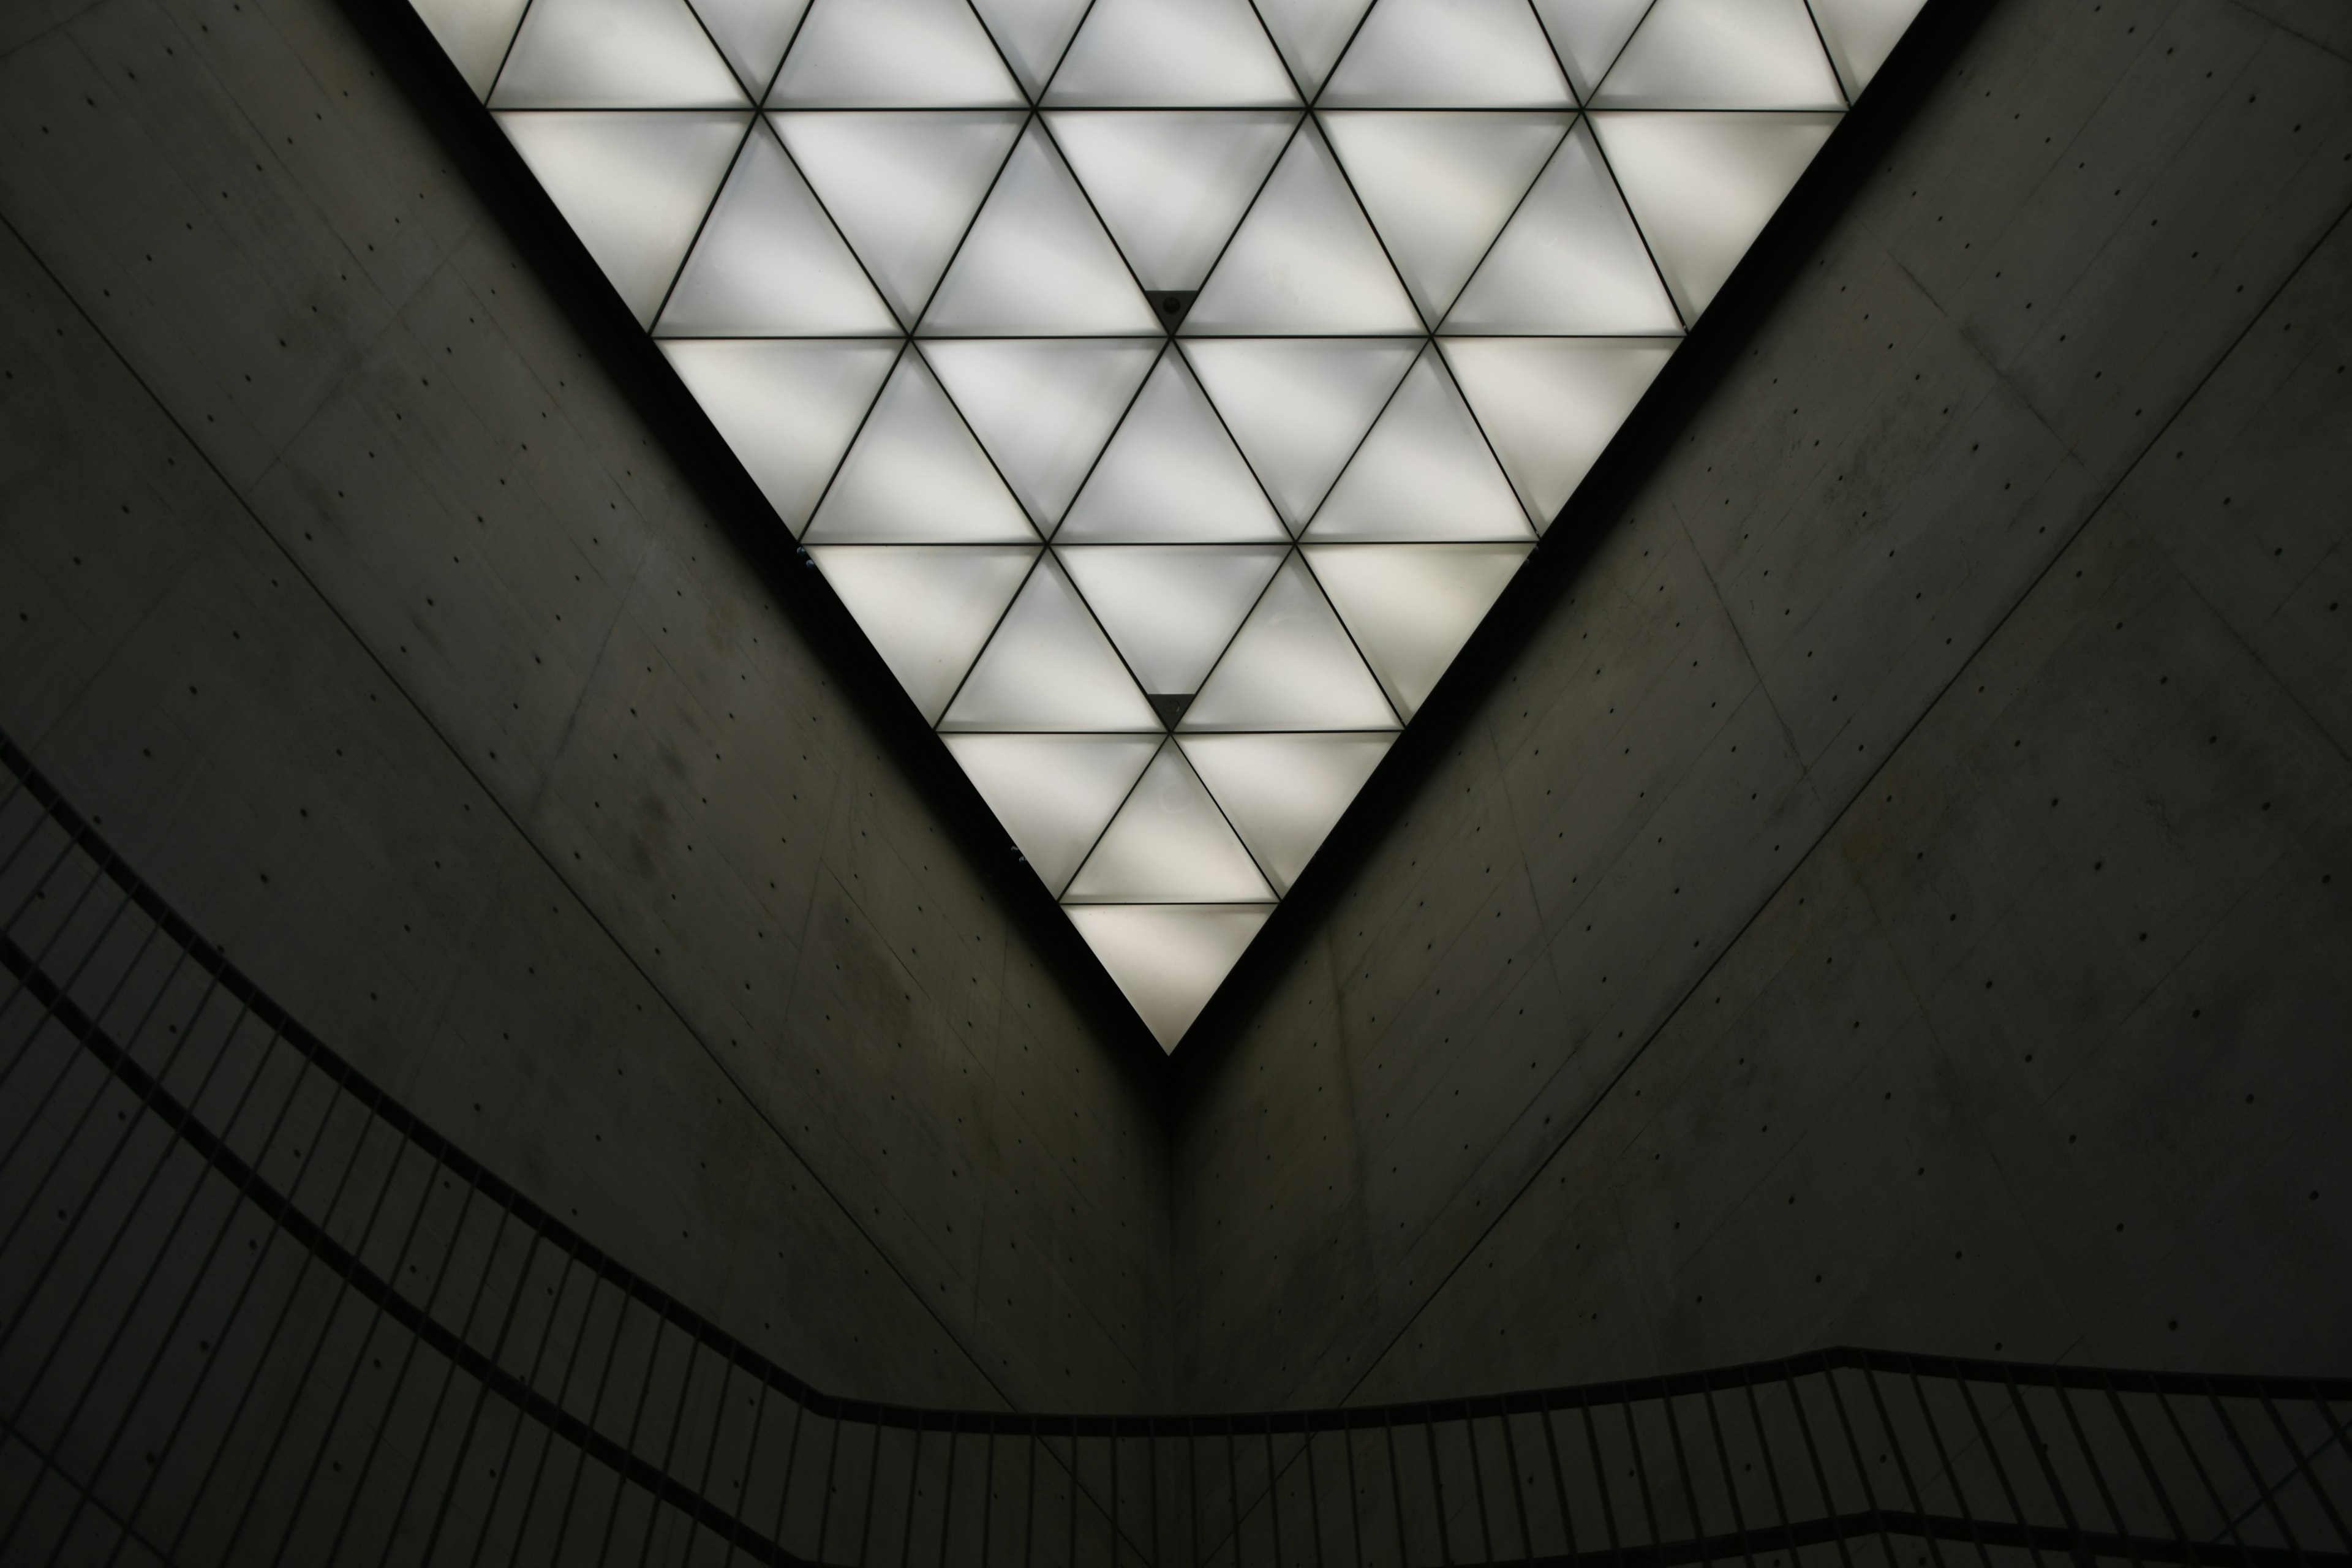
[(1303, 259), (927, 608), (1588, 35), (788, 409), (1031, 33), (1291, 667), (1170, 610), (1702, 186), (633, 186), (1299, 406), (752, 34), (474, 34), (1170, 473), (1054, 794), (893, 54), (1289, 323), (1283, 793), (1449, 54), (1310, 34), (1042, 407), (769, 263), (614, 54), (1550, 405), (903, 187), (916, 476), (1037, 261), (1570, 261), (1168, 844), (1424, 472), (1171, 184), (1440, 187), (1723, 54), (1862, 34), (1412, 606), (1049, 667), (1168, 959), (1192, 53)]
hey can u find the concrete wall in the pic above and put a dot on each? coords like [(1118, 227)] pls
[(366, 575), (1886, 880), (1745, 950)]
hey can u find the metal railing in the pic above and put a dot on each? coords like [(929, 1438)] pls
[(252, 1311)]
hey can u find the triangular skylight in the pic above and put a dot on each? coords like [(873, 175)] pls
[(1168, 387)]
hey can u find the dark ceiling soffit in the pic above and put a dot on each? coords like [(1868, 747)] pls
[(479, 155), (1754, 290)]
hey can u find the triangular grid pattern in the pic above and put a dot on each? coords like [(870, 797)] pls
[(1168, 387)]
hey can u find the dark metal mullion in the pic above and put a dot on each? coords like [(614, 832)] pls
[(906, 346), (1233, 1492), (1251, 206), (1630, 34), (1446, 368), (995, 626), (1355, 1508), (824, 1498), (711, 1449), (1046, 83), (1642, 1475), (987, 1499), (1348, 631), (1289, 535), (752, 126), (1602, 152), (1568, 131), (1828, 59), (1028, 118), (1166, 349), (1558, 59)]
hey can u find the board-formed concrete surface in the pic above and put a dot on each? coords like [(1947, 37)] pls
[(348, 586), (1896, 893), (1878, 879)]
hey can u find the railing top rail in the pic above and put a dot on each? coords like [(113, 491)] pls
[(403, 1121)]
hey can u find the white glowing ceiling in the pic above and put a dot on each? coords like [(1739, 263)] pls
[(1168, 597)]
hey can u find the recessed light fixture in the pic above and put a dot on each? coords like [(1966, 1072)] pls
[(1168, 387)]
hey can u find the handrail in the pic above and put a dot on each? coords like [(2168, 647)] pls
[(402, 1331)]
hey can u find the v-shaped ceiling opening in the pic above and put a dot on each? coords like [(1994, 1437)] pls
[(1168, 387)]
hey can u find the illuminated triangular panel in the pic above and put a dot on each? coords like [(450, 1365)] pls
[(1170, 388)]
